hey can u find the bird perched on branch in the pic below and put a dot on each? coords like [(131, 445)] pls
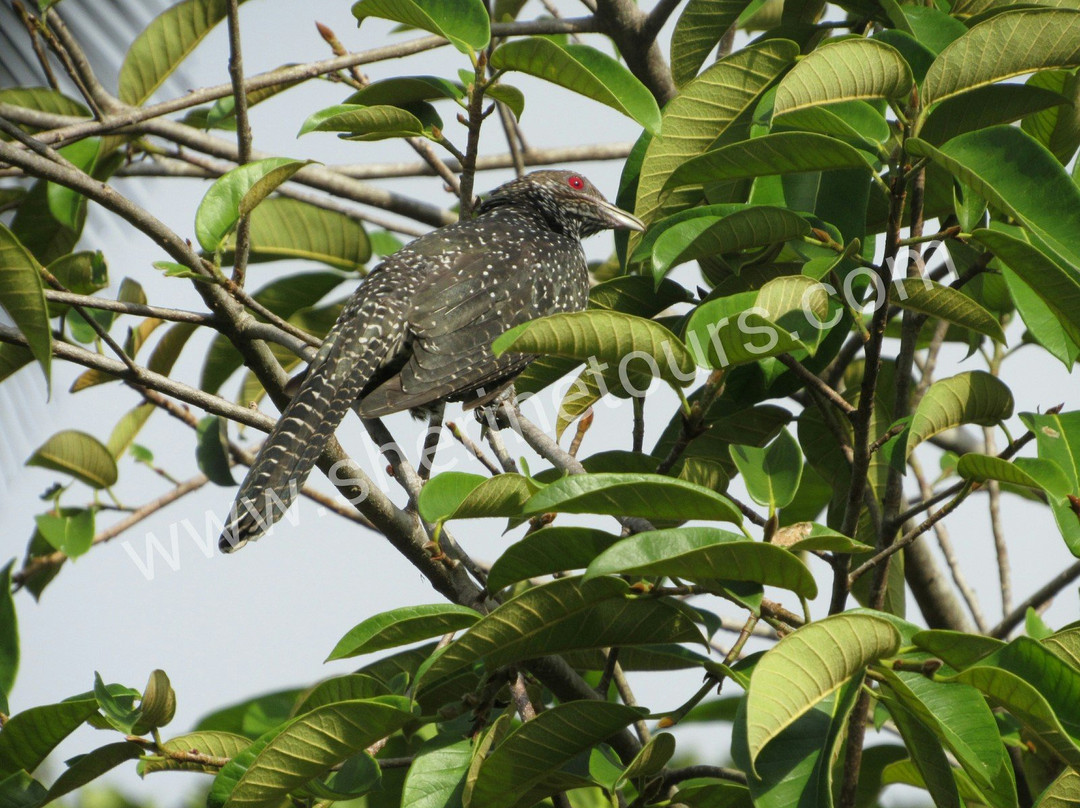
[(418, 331)]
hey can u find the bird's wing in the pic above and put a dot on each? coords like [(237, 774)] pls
[(456, 315)]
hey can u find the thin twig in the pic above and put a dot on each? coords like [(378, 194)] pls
[(1041, 596), (471, 447), (966, 592), (493, 162), (627, 695), (817, 383), (246, 457), (693, 423), (97, 327), (39, 563), (127, 116), (29, 22), (637, 439), (243, 136), (912, 534), (124, 307), (1010, 450), (583, 425)]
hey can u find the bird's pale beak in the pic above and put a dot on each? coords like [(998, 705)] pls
[(618, 218)]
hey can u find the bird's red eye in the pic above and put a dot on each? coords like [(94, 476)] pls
[(574, 181)]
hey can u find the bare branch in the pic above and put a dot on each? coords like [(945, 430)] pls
[(966, 592), (1044, 594), (127, 116), (137, 309), (913, 534), (243, 136), (40, 563), (817, 383)]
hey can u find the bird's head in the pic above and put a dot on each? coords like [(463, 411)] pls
[(568, 201)]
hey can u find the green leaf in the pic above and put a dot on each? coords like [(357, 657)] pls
[(1066, 644), (158, 705), (127, 428), (436, 778), (528, 765), (707, 108), (223, 113), (215, 744), (702, 555), (289, 756), (958, 649), (844, 70), (1006, 45), (751, 326), (511, 96), (237, 192), (980, 467), (44, 99), (22, 296), (68, 206), (1057, 286), (464, 22), (78, 454), (983, 107), (975, 397), (585, 71), (350, 687), (697, 32), (253, 716), (945, 303), (21, 791), (366, 123), (1057, 128), (403, 90), (960, 718), (560, 616), (614, 339), (9, 638), (1062, 793), (83, 273), (652, 496), (933, 771), (456, 495), (692, 238), (71, 531), (165, 43), (283, 228), (30, 736), (1043, 323), (796, 769), (809, 664), (212, 450), (771, 474), (552, 549), (92, 765), (777, 153), (1010, 170), (857, 123), (12, 359), (401, 627), (1026, 703), (805, 536)]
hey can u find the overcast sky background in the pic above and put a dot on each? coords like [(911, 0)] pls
[(228, 627)]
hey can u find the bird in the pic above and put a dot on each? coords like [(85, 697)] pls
[(417, 332)]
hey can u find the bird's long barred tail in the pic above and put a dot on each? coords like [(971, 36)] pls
[(349, 356)]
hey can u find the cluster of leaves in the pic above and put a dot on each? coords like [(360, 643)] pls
[(777, 169)]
